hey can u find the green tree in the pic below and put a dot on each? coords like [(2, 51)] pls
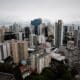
[(35, 77), (48, 74), (61, 72)]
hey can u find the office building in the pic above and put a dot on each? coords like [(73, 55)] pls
[(9, 36), (65, 36), (41, 39), (19, 35), (78, 37), (50, 29), (15, 28), (58, 33), (27, 32), (71, 31), (33, 40), (43, 29), (35, 23)]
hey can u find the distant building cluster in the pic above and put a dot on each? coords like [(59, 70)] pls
[(33, 47)]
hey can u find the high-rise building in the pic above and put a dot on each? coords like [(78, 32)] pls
[(73, 55), (19, 36), (4, 50), (9, 36), (42, 39), (46, 31), (43, 61), (27, 32), (33, 40), (65, 37), (19, 51), (58, 33), (36, 23), (71, 31), (40, 60), (32, 44), (33, 61), (43, 29), (15, 28), (50, 29), (78, 37), (2, 32), (14, 52)]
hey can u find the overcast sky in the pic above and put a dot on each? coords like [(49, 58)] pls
[(24, 10)]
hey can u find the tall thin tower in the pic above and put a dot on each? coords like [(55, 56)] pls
[(58, 33)]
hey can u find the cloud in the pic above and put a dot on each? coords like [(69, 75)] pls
[(21, 10)]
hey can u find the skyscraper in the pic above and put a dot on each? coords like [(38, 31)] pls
[(36, 23), (19, 35), (15, 28), (44, 29), (58, 33), (27, 32), (71, 31), (65, 39), (33, 41), (78, 37)]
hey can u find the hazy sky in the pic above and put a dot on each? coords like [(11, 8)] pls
[(23, 10)]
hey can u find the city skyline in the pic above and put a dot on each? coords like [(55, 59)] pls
[(26, 10)]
